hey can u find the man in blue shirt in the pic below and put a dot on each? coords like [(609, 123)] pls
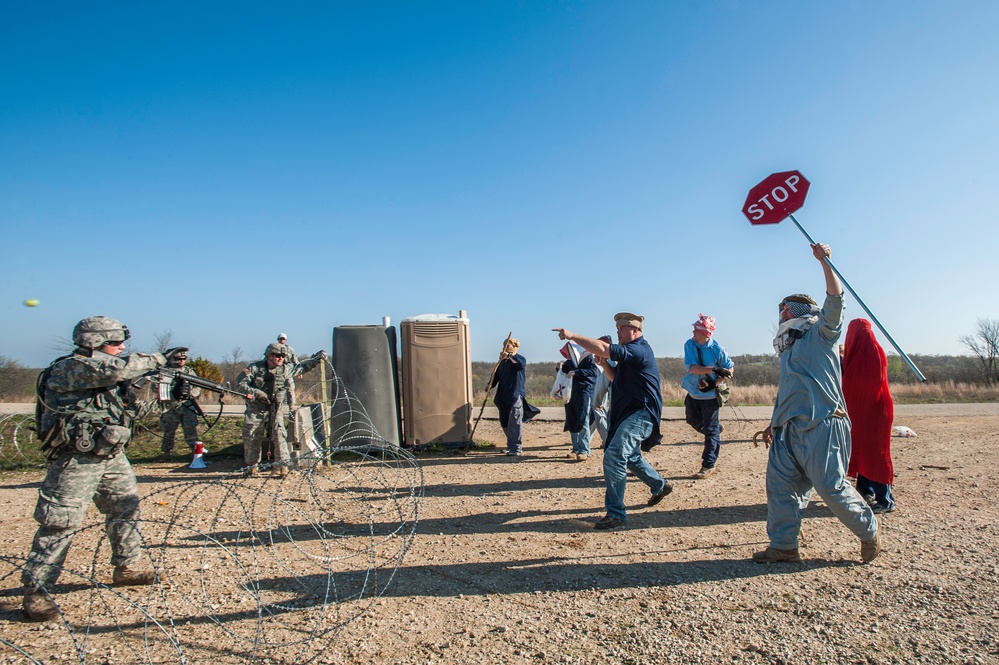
[(809, 431), (635, 412), (705, 360)]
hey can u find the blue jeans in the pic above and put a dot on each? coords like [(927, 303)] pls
[(581, 439), (881, 492), (702, 415), (623, 453), (514, 426)]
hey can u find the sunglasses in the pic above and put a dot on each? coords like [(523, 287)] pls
[(120, 343)]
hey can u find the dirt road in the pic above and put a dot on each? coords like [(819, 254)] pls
[(505, 566)]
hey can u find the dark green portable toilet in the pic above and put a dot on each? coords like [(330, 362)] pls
[(365, 359)]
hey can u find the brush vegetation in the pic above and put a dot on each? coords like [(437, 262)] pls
[(949, 379)]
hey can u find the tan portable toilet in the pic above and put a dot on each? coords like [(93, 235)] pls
[(436, 380)]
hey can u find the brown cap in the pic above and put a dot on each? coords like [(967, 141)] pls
[(628, 319)]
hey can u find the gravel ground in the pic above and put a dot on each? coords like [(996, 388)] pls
[(505, 566)]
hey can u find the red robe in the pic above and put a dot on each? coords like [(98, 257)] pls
[(869, 403)]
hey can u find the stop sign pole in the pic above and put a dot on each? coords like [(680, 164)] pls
[(777, 198)]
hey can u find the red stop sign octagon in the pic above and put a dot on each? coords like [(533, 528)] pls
[(779, 195)]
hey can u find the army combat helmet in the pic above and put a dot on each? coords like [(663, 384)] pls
[(94, 332)]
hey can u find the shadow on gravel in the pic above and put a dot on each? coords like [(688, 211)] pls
[(546, 575), (579, 521), (20, 486), (506, 488), (582, 520)]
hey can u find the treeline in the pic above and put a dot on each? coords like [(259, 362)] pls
[(761, 370)]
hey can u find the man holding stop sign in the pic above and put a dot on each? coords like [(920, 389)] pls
[(809, 432)]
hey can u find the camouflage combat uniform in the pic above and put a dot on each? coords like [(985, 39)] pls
[(178, 412), (89, 405), (274, 394)]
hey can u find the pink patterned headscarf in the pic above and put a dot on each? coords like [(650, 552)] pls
[(705, 324)]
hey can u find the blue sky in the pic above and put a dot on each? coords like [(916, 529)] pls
[(226, 171)]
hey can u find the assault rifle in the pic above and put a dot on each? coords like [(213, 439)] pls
[(176, 385), (173, 384)]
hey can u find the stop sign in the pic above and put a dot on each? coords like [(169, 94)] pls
[(779, 195)]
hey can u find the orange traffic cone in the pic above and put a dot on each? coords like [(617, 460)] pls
[(198, 462)]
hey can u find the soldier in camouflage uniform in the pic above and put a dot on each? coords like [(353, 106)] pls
[(85, 413), (272, 385), (290, 356), (179, 411)]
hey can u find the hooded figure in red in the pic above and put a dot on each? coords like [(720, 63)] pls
[(869, 403)]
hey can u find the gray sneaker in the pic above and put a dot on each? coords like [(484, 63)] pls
[(774, 555)]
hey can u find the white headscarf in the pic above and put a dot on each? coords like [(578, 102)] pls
[(794, 329)]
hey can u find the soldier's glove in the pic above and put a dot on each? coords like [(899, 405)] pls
[(170, 353), (181, 389), (723, 372), (319, 355), (261, 396)]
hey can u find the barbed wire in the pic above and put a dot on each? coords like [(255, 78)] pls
[(268, 568), (18, 442)]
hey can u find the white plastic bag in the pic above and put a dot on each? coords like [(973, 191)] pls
[(901, 430), (562, 387)]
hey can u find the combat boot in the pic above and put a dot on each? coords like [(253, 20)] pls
[(129, 576), (39, 607)]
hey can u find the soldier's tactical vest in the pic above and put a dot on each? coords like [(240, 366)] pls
[(95, 421)]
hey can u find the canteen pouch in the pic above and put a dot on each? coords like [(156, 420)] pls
[(81, 436)]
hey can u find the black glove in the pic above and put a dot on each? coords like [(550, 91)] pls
[(319, 355), (181, 389), (723, 372)]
